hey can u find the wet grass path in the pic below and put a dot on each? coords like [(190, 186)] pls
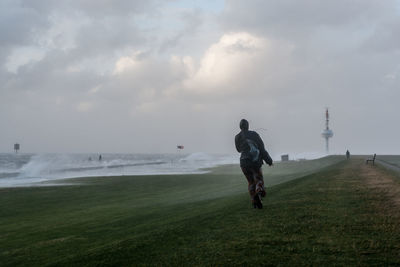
[(345, 214)]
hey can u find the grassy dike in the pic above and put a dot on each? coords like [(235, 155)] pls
[(327, 216)]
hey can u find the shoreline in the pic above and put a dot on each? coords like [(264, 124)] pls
[(37, 169), (280, 172), (55, 181)]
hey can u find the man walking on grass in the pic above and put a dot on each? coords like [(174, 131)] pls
[(253, 152)]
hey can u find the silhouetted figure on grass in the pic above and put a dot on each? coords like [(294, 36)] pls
[(100, 158), (253, 152), (347, 154)]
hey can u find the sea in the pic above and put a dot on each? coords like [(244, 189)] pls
[(20, 170)]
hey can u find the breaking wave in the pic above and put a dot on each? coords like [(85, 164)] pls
[(29, 169)]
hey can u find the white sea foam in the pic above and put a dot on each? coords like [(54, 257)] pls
[(28, 170), (307, 155)]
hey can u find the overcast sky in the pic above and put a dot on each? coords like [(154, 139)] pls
[(144, 76)]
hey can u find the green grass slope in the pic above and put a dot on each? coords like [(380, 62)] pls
[(393, 159), (326, 217)]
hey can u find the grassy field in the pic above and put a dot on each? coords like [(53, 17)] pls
[(332, 214), (391, 159)]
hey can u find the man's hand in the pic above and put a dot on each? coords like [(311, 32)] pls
[(269, 162)]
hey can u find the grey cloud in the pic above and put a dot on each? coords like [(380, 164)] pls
[(385, 37), (288, 14), (340, 54), (24, 23), (192, 20), (19, 24), (98, 8), (106, 37)]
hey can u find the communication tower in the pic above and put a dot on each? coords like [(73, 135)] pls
[(327, 133)]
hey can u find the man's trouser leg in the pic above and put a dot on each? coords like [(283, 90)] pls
[(259, 179), (255, 180)]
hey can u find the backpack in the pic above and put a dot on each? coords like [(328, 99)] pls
[(254, 151)]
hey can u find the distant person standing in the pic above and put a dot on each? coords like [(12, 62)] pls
[(100, 158), (253, 152), (347, 154)]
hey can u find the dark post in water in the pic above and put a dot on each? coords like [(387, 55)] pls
[(16, 147)]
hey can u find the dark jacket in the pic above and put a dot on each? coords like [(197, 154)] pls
[(243, 148)]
